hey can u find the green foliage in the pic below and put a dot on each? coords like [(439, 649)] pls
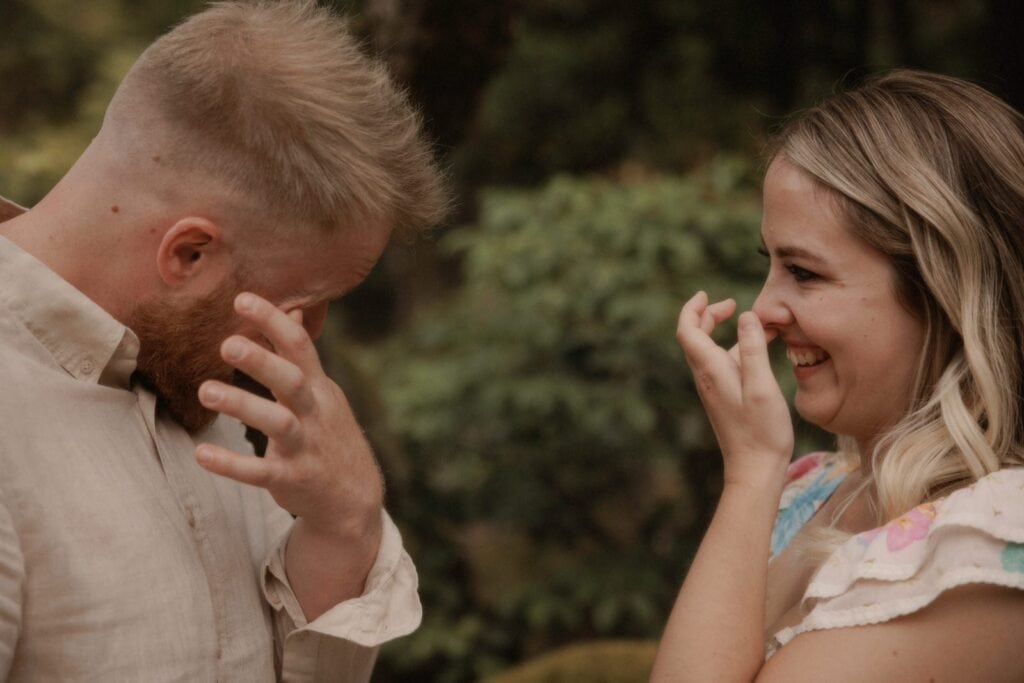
[(557, 466), (587, 84)]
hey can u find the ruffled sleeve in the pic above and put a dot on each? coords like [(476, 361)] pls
[(975, 535)]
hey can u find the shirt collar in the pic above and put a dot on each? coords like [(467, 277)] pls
[(84, 339)]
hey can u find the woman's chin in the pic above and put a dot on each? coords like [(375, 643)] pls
[(814, 412)]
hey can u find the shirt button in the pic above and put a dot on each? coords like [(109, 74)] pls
[(86, 367)]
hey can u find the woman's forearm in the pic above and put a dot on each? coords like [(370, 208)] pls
[(716, 629)]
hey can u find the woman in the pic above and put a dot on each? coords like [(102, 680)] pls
[(894, 229)]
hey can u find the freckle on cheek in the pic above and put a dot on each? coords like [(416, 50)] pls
[(115, 208)]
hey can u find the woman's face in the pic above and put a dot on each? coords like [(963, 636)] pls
[(830, 296)]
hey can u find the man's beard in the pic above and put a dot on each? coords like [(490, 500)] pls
[(179, 349)]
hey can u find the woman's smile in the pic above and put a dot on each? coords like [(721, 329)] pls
[(806, 360)]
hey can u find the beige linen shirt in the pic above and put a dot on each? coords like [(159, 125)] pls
[(120, 558)]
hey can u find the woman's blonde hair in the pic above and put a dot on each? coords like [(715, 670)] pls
[(929, 170)]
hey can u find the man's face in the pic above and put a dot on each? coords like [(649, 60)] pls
[(179, 346)]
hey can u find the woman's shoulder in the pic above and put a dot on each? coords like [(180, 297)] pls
[(975, 535)]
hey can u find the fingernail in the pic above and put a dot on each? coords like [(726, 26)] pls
[(246, 302), (204, 455), (212, 393), (233, 349)]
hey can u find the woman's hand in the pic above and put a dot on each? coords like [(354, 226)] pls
[(743, 401)]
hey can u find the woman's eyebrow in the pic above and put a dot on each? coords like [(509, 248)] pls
[(794, 252)]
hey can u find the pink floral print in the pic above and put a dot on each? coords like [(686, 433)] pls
[(802, 466), (904, 530)]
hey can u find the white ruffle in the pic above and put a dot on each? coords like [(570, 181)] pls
[(892, 572)]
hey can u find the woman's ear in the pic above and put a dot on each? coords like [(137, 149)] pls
[(187, 250)]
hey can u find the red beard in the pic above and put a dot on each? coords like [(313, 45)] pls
[(179, 349)]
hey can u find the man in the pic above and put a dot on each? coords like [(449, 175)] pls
[(249, 169)]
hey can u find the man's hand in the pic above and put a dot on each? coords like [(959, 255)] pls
[(318, 465)]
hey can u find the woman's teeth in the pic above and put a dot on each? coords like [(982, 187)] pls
[(806, 358)]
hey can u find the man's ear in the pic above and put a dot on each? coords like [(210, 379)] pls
[(187, 249)]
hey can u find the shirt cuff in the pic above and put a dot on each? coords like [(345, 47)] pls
[(388, 608)]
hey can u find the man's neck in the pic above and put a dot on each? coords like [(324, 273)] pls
[(69, 243)]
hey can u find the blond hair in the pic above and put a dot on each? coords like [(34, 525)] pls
[(276, 101), (929, 170)]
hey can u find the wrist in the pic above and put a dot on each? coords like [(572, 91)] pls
[(765, 484), (326, 567), (756, 468), (352, 526)]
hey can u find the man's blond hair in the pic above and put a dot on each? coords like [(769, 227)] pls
[(276, 101)]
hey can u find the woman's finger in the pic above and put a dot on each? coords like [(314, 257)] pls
[(689, 318), (699, 348), (716, 313), (755, 367)]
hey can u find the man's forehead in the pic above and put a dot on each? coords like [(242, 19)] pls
[(323, 269)]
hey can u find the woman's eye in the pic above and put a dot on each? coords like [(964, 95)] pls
[(801, 275)]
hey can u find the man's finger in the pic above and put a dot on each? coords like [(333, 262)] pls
[(285, 380), (289, 338), (247, 469), (273, 419)]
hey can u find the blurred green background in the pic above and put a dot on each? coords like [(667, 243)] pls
[(547, 459)]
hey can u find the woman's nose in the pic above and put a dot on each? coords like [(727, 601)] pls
[(771, 307)]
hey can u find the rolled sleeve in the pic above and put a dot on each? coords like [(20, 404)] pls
[(341, 644)]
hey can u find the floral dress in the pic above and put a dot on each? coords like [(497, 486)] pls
[(973, 535)]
